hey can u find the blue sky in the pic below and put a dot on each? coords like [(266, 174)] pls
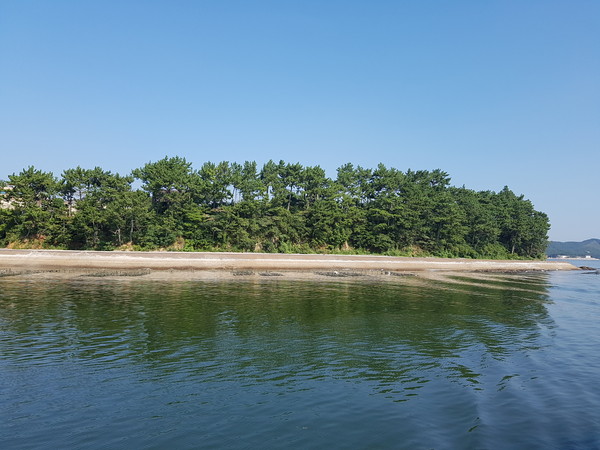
[(493, 92)]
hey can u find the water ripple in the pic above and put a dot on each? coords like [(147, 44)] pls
[(465, 362)]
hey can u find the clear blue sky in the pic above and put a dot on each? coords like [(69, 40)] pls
[(494, 92)]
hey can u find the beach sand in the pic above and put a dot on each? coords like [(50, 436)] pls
[(206, 265)]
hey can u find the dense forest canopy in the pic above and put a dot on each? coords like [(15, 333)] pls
[(281, 207)]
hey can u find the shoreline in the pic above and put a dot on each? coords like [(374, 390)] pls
[(210, 265), (575, 258)]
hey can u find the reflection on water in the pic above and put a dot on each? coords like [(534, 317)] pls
[(351, 330), (458, 361)]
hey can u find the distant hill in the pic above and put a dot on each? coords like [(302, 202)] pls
[(590, 247)]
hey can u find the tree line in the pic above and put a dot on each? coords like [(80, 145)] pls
[(281, 207)]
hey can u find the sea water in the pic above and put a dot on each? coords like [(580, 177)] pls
[(487, 361)]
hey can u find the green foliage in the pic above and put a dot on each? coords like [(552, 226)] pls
[(37, 213), (283, 207)]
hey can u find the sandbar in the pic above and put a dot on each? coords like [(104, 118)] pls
[(210, 265)]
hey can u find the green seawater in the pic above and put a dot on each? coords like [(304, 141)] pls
[(501, 361)]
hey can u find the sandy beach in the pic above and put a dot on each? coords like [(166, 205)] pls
[(185, 265)]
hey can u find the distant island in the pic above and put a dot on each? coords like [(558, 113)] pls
[(279, 208), (589, 248)]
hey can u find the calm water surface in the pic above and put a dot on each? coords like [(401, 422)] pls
[(512, 361)]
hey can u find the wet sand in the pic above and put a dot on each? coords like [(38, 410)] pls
[(206, 265)]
